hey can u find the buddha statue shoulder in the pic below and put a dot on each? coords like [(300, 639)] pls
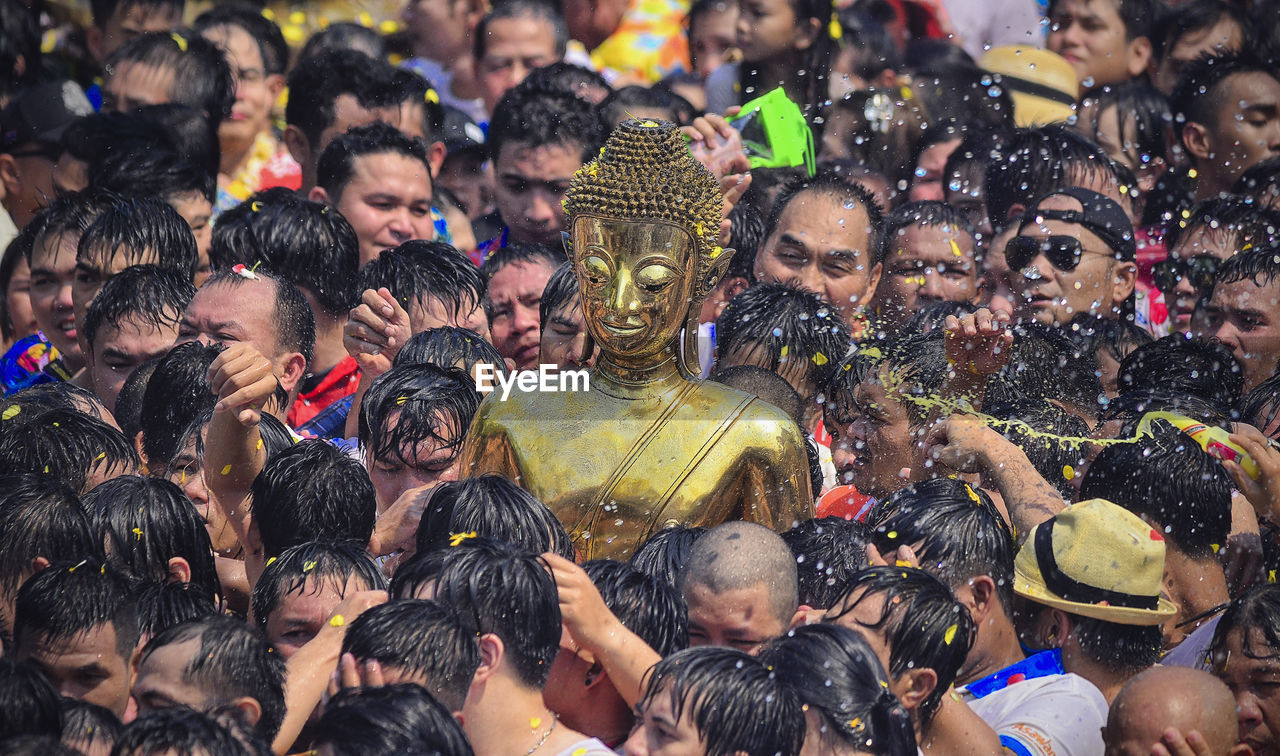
[(647, 445)]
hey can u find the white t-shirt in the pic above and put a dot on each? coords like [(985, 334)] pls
[(1055, 715), (588, 747)]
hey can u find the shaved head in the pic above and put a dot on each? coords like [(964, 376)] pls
[(742, 555), (1160, 698)]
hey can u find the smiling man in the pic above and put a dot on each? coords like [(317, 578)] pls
[(380, 180), (1074, 253)]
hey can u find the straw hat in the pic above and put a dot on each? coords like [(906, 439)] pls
[(1043, 85), (1095, 559)]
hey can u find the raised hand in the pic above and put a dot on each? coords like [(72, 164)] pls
[(243, 381), (376, 330)]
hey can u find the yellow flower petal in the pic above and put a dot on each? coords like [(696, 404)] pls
[(950, 635), (337, 620)]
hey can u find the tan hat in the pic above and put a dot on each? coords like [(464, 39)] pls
[(1043, 84), (1095, 559)]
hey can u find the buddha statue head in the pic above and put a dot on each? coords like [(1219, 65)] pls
[(644, 219)]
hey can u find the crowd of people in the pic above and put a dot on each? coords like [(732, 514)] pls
[(1019, 293)]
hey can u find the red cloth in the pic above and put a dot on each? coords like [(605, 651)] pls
[(846, 502), (340, 383)]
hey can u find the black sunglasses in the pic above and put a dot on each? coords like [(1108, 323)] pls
[(1064, 252), (1199, 271)]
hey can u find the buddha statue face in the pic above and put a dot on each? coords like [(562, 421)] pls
[(637, 278)]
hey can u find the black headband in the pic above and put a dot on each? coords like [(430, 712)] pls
[(1036, 89), (1069, 589)]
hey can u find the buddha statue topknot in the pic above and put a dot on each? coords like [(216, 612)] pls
[(648, 445)]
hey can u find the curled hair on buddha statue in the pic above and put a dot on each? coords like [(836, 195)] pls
[(645, 172)]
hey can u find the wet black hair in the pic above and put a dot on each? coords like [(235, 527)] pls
[(295, 324), (146, 293), (70, 599), (871, 43), (1198, 98), (1235, 221), (70, 214), (1122, 648), (88, 725), (202, 76), (270, 40), (312, 491), (1093, 333), (1261, 406), (1147, 109), (337, 164), (783, 322), (1044, 364), (617, 106), (421, 639), (832, 185), (919, 614), (177, 393), (543, 254), (734, 702), (916, 365), (19, 40), (1130, 408), (142, 230), (563, 76), (419, 270), (347, 36), (392, 719), (192, 134), (331, 562), (746, 235), (1177, 21), (855, 707), (1256, 613), (417, 575), (923, 213), (128, 409), (1259, 180), (153, 172), (828, 552), (954, 528), (232, 661), (532, 9), (411, 88), (28, 703), (494, 507), (40, 517), (1259, 264), (501, 589), (163, 605), (182, 732), (145, 522), (645, 605), (1194, 367), (538, 119), (412, 405), (64, 444), (316, 83), (561, 291), (1167, 479), (1026, 417), (664, 554), (55, 395), (1040, 160), (448, 346)]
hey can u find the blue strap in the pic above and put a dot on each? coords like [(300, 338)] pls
[(1042, 664), (1015, 746)]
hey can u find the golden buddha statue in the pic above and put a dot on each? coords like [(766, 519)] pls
[(648, 444)]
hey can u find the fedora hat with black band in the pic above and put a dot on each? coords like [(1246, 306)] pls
[(1095, 559)]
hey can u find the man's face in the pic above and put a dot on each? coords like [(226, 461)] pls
[(563, 339), (1245, 317), (531, 183), (133, 85), (430, 464), (516, 292), (90, 279), (197, 211), (1223, 36), (824, 247), (87, 667), (130, 21), (119, 348), (872, 444), (1090, 34), (158, 683), (512, 48), (225, 314), (741, 618), (186, 472), (255, 91), (53, 269), (1219, 244), (659, 733), (432, 313), (711, 38), (926, 264), (1246, 129), (302, 613), (1053, 296), (1256, 685), (927, 184), (387, 201)]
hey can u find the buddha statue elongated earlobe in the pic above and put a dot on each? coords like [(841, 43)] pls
[(719, 266)]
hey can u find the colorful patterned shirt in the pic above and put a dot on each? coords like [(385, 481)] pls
[(648, 45)]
